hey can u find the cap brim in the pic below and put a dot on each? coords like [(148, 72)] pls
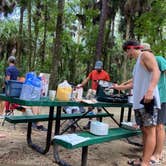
[(98, 68)]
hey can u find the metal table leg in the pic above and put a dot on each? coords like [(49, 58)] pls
[(48, 138), (121, 115), (58, 120), (84, 156), (129, 114), (55, 146), (75, 121), (111, 116)]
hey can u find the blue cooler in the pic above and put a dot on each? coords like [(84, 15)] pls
[(13, 88)]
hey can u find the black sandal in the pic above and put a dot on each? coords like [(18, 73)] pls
[(135, 162)]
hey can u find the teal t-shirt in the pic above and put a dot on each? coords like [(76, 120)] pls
[(162, 82)]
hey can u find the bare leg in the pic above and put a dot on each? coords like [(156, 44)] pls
[(149, 144), (36, 111), (2, 108), (160, 137)]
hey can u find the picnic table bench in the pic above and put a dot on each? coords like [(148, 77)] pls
[(45, 117), (113, 134)]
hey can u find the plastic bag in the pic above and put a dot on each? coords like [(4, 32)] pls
[(31, 89), (64, 91)]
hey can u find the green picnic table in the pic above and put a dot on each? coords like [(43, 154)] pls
[(45, 102)]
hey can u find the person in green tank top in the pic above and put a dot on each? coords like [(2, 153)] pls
[(160, 130)]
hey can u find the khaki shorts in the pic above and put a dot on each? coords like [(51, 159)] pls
[(143, 118)]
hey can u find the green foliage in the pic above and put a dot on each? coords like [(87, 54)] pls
[(8, 30), (79, 36), (151, 27)]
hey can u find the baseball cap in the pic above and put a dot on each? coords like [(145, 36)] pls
[(98, 65), (11, 58), (146, 47)]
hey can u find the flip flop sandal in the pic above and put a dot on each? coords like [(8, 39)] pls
[(136, 162), (155, 162)]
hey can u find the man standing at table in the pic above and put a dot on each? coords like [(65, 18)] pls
[(144, 83), (95, 75)]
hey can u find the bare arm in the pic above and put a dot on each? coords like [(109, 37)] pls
[(125, 85), (149, 62), (127, 82), (84, 82), (7, 78)]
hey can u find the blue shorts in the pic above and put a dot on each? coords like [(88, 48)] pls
[(144, 119)]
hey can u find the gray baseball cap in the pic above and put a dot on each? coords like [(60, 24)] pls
[(11, 58), (98, 65)]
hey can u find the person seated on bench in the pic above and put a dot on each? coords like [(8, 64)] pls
[(95, 75)]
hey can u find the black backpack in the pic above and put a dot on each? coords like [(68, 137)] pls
[(105, 93)]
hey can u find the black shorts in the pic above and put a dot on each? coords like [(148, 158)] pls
[(145, 119), (162, 115)]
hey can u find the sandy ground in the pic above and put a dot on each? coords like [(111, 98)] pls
[(15, 151)]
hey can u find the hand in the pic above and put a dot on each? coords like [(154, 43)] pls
[(79, 86), (148, 96), (116, 86)]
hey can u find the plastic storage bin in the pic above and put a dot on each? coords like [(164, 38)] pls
[(99, 128), (13, 88)]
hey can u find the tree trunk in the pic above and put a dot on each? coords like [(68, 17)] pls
[(45, 36), (36, 34), (30, 36), (100, 38), (57, 45), (106, 46), (19, 42), (128, 26)]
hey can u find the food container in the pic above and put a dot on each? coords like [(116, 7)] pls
[(99, 128)]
